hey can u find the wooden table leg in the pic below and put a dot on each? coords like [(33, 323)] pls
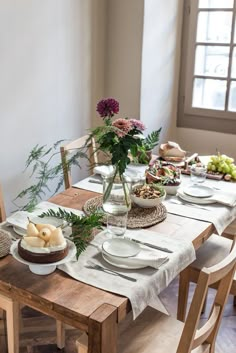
[(60, 334), (102, 330), (12, 315)]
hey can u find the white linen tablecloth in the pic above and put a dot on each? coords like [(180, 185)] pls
[(150, 282)]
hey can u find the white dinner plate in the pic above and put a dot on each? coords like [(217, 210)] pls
[(198, 191), (121, 262), (197, 200), (120, 247)]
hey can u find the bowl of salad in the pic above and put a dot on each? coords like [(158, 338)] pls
[(148, 195), (166, 174)]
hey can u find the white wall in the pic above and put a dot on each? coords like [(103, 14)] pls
[(123, 54), (160, 62), (47, 51), (206, 142)]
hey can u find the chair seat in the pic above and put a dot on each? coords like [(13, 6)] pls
[(215, 249), (152, 332)]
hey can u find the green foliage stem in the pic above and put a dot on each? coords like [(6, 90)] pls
[(44, 171)]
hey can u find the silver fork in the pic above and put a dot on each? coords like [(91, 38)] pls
[(178, 202), (94, 266)]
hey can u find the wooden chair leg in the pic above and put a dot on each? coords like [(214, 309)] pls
[(204, 305), (12, 309), (183, 295), (60, 334), (82, 343), (235, 300)]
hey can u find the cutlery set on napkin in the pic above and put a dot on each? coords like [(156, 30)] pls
[(129, 253)]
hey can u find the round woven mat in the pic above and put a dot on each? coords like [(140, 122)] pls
[(5, 242), (138, 217)]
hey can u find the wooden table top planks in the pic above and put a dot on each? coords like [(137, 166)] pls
[(78, 304)]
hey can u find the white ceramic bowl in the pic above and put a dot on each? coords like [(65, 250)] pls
[(171, 189), (147, 203)]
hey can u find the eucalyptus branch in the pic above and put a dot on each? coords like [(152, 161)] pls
[(82, 226), (40, 160)]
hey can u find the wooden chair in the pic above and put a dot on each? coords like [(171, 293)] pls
[(13, 310), (10, 306), (2, 207), (215, 249), (72, 147), (155, 332)]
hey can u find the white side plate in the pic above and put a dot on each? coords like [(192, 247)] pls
[(198, 191), (120, 247), (197, 200)]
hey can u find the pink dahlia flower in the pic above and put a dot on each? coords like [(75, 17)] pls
[(123, 125), (107, 107), (137, 124)]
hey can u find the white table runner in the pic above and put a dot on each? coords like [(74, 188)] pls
[(218, 214), (150, 282)]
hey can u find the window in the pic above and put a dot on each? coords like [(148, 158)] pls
[(208, 69)]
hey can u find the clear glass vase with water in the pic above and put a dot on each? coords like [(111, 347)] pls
[(116, 203)]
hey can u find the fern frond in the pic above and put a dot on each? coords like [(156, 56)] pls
[(152, 140)]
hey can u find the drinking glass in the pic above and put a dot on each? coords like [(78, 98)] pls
[(198, 173), (117, 223)]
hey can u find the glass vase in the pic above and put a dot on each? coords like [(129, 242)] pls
[(116, 203), (116, 194)]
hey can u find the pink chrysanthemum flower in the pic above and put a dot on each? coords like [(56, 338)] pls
[(138, 124), (107, 107), (123, 125)]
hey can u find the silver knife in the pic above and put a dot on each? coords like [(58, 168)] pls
[(95, 181), (150, 245)]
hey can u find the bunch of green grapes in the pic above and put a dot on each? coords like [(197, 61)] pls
[(222, 164)]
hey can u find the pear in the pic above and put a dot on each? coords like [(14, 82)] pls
[(45, 234), (35, 242), (40, 226), (57, 237), (32, 231)]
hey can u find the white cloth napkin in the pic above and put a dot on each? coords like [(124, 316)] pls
[(223, 197), (104, 170), (20, 218), (133, 171)]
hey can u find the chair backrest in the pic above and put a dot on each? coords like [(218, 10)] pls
[(2, 208), (72, 147), (193, 336)]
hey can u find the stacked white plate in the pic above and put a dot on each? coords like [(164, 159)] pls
[(127, 254), (200, 194), (120, 252)]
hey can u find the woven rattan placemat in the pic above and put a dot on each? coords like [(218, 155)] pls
[(138, 217)]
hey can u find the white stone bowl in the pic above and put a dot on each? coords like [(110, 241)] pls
[(171, 189), (147, 203)]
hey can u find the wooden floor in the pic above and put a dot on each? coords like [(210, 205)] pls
[(226, 341)]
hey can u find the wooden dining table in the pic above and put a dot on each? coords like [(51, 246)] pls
[(82, 306)]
